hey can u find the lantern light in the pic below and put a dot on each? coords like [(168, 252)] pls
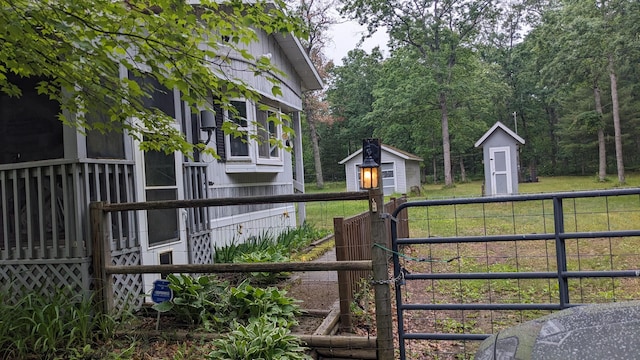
[(369, 169)]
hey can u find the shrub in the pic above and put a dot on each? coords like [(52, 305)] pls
[(261, 338), (263, 256), (214, 305), (196, 300)]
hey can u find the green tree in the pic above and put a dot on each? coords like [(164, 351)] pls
[(81, 46), (350, 95), (440, 32), (317, 18), (593, 38)]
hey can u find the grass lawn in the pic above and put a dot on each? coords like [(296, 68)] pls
[(502, 218), (321, 214)]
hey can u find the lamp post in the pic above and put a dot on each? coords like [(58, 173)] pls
[(369, 177), (370, 180)]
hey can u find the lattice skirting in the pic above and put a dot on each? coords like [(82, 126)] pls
[(200, 248), (128, 290), (44, 276)]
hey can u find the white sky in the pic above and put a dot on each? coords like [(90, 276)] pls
[(345, 37)]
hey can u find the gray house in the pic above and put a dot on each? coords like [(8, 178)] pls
[(49, 173), (400, 170), (500, 157)]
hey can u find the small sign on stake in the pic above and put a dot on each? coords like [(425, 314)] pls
[(161, 293)]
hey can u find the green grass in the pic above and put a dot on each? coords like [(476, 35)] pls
[(530, 217), (321, 214)]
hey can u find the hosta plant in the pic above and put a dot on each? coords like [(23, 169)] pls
[(260, 339)]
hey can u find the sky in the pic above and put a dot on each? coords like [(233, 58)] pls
[(346, 35)]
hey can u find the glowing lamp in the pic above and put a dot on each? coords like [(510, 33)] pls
[(369, 169)]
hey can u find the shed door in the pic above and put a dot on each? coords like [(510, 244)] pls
[(388, 178), (500, 158)]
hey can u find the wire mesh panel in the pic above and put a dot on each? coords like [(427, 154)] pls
[(475, 266)]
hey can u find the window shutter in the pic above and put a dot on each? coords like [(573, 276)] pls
[(220, 136)]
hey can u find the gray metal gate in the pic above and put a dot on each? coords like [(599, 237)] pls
[(575, 248)]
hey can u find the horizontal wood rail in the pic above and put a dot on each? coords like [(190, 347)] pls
[(239, 267), (182, 204)]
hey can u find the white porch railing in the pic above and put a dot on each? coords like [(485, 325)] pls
[(44, 207)]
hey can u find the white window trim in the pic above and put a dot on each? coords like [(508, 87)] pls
[(229, 138), (276, 160), (253, 162)]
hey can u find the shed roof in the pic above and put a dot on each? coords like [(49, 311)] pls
[(400, 153), (495, 126)]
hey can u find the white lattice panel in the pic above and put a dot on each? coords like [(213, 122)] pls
[(25, 277), (128, 289), (200, 248)]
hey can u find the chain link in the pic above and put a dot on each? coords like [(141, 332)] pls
[(398, 279)]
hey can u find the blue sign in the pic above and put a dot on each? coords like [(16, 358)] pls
[(161, 291)]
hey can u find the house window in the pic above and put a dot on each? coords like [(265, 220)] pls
[(253, 146), (29, 126), (268, 134), (239, 142), (162, 224), (161, 97), (107, 145), (160, 177)]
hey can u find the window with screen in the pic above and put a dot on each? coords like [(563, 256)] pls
[(29, 126)]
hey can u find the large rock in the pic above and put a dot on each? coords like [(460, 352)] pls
[(602, 331)]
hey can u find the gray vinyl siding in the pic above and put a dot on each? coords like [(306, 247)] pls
[(290, 87)]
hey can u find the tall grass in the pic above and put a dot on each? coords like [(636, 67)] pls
[(288, 242), (48, 326)]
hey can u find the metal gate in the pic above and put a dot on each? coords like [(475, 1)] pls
[(511, 258)]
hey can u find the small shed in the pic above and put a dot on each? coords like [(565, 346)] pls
[(399, 169), (500, 157)]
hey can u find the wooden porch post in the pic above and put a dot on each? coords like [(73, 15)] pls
[(101, 257), (384, 341)]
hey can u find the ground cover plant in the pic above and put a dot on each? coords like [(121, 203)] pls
[(214, 304), (58, 325), (268, 248)]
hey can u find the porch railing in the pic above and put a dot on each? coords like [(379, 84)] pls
[(44, 219)]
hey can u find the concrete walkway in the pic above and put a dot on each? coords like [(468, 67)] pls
[(316, 289), (314, 276)]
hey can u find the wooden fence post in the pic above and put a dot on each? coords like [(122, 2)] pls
[(344, 290), (384, 341), (101, 256)]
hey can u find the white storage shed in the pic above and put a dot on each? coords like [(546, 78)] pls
[(400, 170)]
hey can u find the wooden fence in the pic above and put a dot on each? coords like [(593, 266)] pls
[(354, 243), (376, 264)]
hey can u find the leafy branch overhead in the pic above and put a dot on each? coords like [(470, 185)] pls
[(80, 48)]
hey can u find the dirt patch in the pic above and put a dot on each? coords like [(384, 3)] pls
[(319, 295)]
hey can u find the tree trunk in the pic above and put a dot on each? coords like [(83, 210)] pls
[(463, 172), (435, 170), (553, 123), (602, 154), (616, 120), (313, 135), (446, 145), (316, 152)]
